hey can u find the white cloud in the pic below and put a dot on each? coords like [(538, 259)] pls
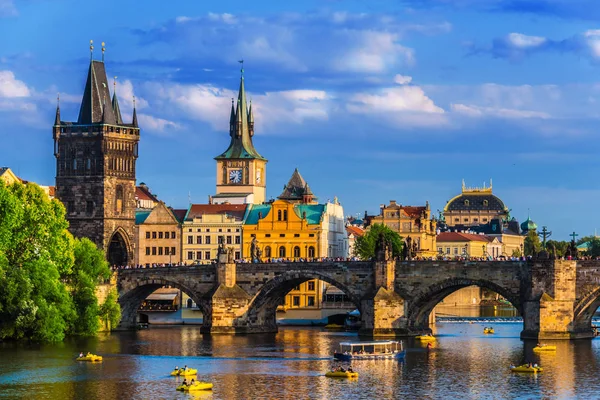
[(524, 41), (148, 122), (478, 111), (402, 80), (12, 87)]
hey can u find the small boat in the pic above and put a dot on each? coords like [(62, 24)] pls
[(340, 374), (334, 327), (425, 338), (488, 330), (183, 372), (544, 347), (377, 350), (89, 357), (526, 368), (196, 386)]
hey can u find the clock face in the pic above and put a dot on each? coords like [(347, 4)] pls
[(258, 178), (235, 175)]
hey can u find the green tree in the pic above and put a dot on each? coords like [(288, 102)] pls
[(532, 244), (365, 245), (90, 269), (560, 245), (110, 310), (35, 251), (593, 247), (516, 253)]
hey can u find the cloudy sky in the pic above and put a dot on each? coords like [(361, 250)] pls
[(371, 101)]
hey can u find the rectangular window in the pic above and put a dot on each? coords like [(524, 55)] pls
[(153, 235), (147, 251), (268, 235), (190, 239), (311, 301), (198, 239), (440, 250), (220, 230), (147, 235), (160, 235), (160, 251), (311, 285), (296, 235), (296, 301), (311, 235), (173, 235), (228, 229), (189, 230), (237, 255), (207, 255), (455, 251), (207, 230), (207, 241), (198, 255), (172, 251), (238, 240), (447, 250), (154, 251), (166, 235), (190, 255), (464, 251), (228, 239), (282, 235), (197, 230), (237, 229)]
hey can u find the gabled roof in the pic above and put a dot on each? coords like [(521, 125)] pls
[(234, 210), (414, 211), (296, 188), (461, 237), (179, 214), (140, 216), (143, 193)]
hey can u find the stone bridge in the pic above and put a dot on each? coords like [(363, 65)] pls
[(556, 298)]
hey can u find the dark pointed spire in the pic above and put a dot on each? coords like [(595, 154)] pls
[(115, 104), (297, 189), (241, 145), (251, 120), (96, 91), (57, 117), (232, 120), (135, 121)]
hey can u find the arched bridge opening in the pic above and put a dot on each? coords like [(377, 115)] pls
[(424, 302)]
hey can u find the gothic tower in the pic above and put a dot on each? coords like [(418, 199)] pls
[(241, 170), (95, 169)]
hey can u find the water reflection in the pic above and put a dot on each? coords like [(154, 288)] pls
[(463, 363)]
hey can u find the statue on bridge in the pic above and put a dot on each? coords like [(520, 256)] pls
[(254, 249), (230, 257), (406, 249), (383, 248), (221, 249)]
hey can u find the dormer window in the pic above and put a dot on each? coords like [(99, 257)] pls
[(466, 202), (485, 203)]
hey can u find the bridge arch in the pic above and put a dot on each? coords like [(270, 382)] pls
[(585, 309), (262, 309), (131, 298), (423, 303)]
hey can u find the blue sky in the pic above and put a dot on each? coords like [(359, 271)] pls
[(371, 101)]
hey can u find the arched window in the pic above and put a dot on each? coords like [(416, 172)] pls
[(311, 252), (285, 215), (278, 215), (268, 251), (282, 252), (296, 251), (190, 303), (119, 204), (466, 202)]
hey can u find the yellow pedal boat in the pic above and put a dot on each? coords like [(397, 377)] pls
[(488, 330), (526, 368), (544, 347), (340, 374), (183, 372), (196, 386), (425, 338), (89, 357)]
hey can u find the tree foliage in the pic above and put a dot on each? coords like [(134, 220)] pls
[(560, 246), (532, 244), (110, 311), (47, 278), (365, 245)]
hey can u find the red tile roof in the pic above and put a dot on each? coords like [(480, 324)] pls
[(414, 211), (52, 191), (461, 237), (355, 230), (179, 214), (235, 210), (142, 193)]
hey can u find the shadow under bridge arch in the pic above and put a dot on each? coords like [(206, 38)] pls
[(425, 301), (131, 299), (263, 308)]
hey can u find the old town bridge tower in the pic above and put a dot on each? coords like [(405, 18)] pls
[(95, 169)]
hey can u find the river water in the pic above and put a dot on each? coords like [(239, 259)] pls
[(463, 363)]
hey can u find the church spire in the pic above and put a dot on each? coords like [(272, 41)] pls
[(241, 128), (115, 104), (96, 91), (57, 117), (134, 121)]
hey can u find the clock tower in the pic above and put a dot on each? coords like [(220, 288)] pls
[(241, 170)]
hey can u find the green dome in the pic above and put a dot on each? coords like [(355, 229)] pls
[(528, 225)]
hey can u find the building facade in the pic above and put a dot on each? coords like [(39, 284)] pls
[(241, 170), (460, 244), (96, 169), (158, 236), (412, 222), (205, 225), (474, 206)]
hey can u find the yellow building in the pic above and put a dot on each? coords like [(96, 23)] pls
[(204, 224), (459, 244), (410, 222), (8, 176), (158, 236), (241, 170)]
